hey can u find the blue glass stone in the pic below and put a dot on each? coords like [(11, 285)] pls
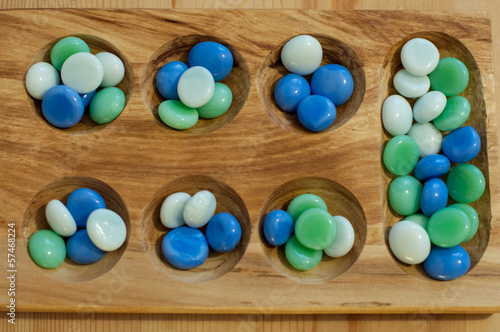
[(215, 57), (447, 263), (434, 196), (223, 232), (62, 106), (167, 79), (87, 98), (316, 113), (185, 247), (334, 82), (289, 92), (81, 250), (461, 145), (82, 202), (278, 227), (431, 166)]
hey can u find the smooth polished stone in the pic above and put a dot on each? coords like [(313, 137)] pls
[(40, 78), (462, 145), (418, 218), (404, 195), (304, 202), (82, 202), (401, 155), (432, 166), (451, 77), (176, 115), (107, 105), (334, 82), (344, 238), (447, 263), (113, 68), (87, 98), (81, 250), (218, 104), (196, 87), (106, 229), (434, 196), (223, 232), (419, 56), (411, 86), (429, 106), (47, 249), (448, 227), (278, 227), (316, 113), (172, 210), (397, 116), (62, 107), (409, 242), (185, 247), (59, 218), (427, 137), (200, 209), (473, 218), (315, 229), (302, 55), (290, 90), (83, 72), (301, 257), (168, 77), (65, 48), (454, 115), (213, 56), (465, 183)]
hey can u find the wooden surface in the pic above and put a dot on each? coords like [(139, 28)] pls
[(471, 322)]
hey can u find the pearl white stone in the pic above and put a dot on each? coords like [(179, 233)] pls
[(397, 116), (409, 242), (302, 55), (428, 138), (196, 86), (41, 77), (429, 106), (344, 238), (419, 56), (172, 210), (113, 68), (106, 229), (82, 72), (409, 85), (200, 209), (59, 218)]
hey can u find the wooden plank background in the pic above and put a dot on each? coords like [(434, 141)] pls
[(145, 322)]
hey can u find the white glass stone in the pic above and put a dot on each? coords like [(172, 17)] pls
[(419, 56), (344, 238), (113, 68), (106, 229), (172, 210), (302, 55), (397, 116), (82, 72), (428, 138), (429, 106), (200, 209), (41, 77), (409, 242), (59, 218), (411, 86), (196, 86)]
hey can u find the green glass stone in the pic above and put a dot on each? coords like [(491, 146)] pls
[(404, 195), (401, 155), (300, 257), (465, 183), (218, 104), (65, 48), (47, 249), (315, 229), (448, 227), (454, 115), (177, 115), (473, 218), (419, 218), (450, 77), (106, 105), (304, 202)]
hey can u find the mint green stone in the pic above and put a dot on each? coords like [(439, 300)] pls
[(106, 105), (65, 48), (304, 202), (448, 227), (454, 115), (419, 218), (404, 195), (218, 104), (300, 257), (401, 155), (450, 77), (465, 183), (315, 229), (47, 249), (177, 115), (473, 218)]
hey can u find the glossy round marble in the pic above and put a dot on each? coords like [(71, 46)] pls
[(454, 115), (315, 229), (462, 145), (185, 247), (304, 202), (47, 249), (223, 232), (409, 242), (200, 209), (434, 196), (411, 86), (429, 106), (218, 104), (82, 202), (278, 227), (107, 105), (428, 138), (419, 56), (334, 82), (344, 238), (397, 116), (316, 113), (176, 115), (451, 77), (62, 107), (113, 68), (302, 55), (106, 229), (290, 90), (40, 78), (65, 48), (448, 227), (301, 257), (447, 263), (432, 166), (81, 250), (172, 210), (400, 155), (466, 183), (473, 218), (168, 77), (196, 87), (59, 218), (404, 195), (83, 72), (213, 56)]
